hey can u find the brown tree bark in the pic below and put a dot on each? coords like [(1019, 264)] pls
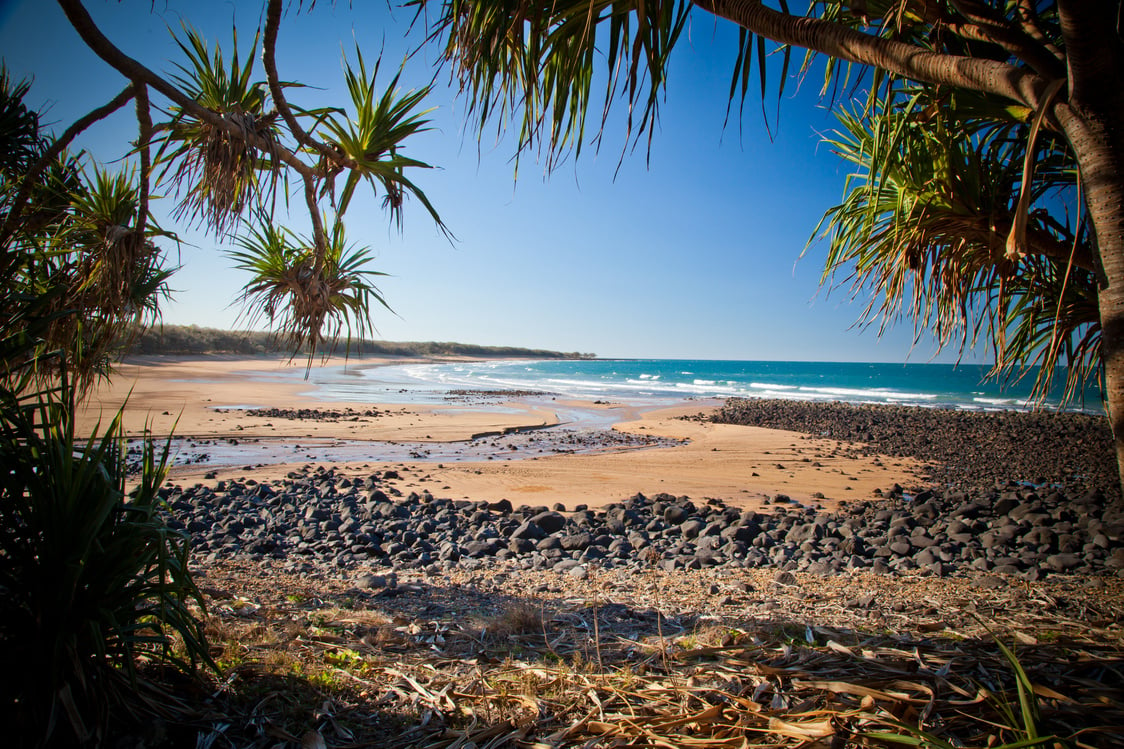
[(1093, 122)]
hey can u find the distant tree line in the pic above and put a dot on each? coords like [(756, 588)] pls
[(191, 339)]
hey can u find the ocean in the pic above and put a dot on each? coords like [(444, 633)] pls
[(661, 381)]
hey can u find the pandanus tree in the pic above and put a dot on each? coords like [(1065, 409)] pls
[(223, 140), (1047, 70), (93, 579), (924, 226), (78, 270)]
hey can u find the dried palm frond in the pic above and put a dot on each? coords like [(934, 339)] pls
[(306, 300), (220, 174)]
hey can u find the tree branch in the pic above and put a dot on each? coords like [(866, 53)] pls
[(1012, 37), (1009, 41), (902, 59), (1095, 53), (269, 60), (319, 237), (1041, 242), (986, 25), (52, 153), (101, 46), (144, 139), (1028, 21)]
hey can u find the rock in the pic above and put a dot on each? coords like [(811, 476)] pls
[(376, 582), (306, 517), (864, 601), (1062, 562), (1005, 505), (901, 548), (566, 565), (576, 541), (477, 549), (530, 530), (675, 514), (502, 505), (691, 528), (925, 557), (550, 521), (744, 532), (785, 578)]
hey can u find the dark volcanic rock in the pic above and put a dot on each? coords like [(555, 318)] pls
[(971, 450), (550, 522), (1006, 528)]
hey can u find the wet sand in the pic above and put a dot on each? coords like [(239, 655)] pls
[(739, 464)]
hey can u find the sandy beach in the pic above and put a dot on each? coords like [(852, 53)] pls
[(741, 465), (393, 579)]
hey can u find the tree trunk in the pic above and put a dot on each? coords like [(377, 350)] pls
[(1098, 142)]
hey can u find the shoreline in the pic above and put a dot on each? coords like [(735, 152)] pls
[(237, 417), (744, 466), (385, 565)]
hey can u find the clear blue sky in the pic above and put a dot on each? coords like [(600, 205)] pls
[(693, 254)]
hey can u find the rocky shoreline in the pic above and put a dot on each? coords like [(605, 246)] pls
[(317, 518), (966, 450), (360, 574), (1071, 520)]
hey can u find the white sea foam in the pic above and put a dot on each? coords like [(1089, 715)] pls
[(865, 393), (582, 384), (1000, 402), (770, 386), (644, 382), (710, 388)]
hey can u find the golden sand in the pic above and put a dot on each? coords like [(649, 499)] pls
[(741, 465)]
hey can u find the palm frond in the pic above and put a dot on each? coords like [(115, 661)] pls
[(307, 307), (535, 63), (20, 140), (94, 579), (218, 175), (373, 138), (921, 233), (81, 272)]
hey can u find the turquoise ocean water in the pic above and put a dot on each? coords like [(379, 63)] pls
[(658, 381)]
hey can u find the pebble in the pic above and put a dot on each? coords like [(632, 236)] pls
[(320, 517)]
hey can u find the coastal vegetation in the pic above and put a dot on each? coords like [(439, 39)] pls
[(93, 582), (985, 204), (194, 340)]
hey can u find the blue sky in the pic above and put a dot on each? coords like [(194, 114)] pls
[(691, 254)]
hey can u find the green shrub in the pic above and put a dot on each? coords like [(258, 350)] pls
[(92, 579)]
